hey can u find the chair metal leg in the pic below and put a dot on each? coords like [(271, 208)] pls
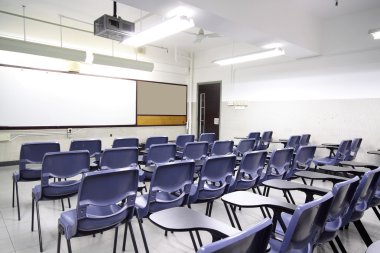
[(143, 235), (32, 227), (335, 250), (193, 241), (133, 237), (374, 208), (59, 240), (125, 235), (18, 202), (69, 246), (210, 209), (207, 207), (363, 232), (68, 200), (199, 238), (63, 206), (340, 245), (39, 225), (13, 192), (115, 240)]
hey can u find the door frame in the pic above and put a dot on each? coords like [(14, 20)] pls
[(220, 103)]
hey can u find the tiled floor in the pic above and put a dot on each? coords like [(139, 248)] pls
[(16, 236)]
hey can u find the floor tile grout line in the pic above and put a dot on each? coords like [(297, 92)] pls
[(9, 235)]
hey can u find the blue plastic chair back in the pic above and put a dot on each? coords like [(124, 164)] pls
[(165, 192), (265, 140), (354, 149), (155, 140), (195, 150), (302, 160), (343, 194), (181, 140), (209, 137), (306, 225), (252, 240), (244, 145), (249, 171), (342, 151), (119, 158), (347, 152), (222, 148), (34, 152), (293, 142), (94, 147), (305, 139), (63, 165), (254, 135), (161, 153), (215, 178), (279, 163), (129, 142), (100, 195), (363, 195)]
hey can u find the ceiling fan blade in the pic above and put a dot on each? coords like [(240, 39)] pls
[(212, 35)]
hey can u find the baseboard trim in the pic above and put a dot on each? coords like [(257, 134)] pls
[(8, 163)]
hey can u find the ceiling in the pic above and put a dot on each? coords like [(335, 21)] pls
[(294, 23)]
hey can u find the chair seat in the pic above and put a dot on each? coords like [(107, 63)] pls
[(324, 161), (161, 197), (210, 192), (57, 190)]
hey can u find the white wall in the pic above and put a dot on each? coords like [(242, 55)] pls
[(333, 96)]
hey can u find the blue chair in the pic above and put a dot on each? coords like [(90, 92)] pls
[(155, 140), (209, 137), (245, 145), (302, 160), (256, 136), (354, 149), (30, 153), (252, 240), (158, 153), (335, 159), (182, 139), (305, 139), (265, 140), (293, 142), (196, 151), (93, 146), (214, 180), (106, 199), (62, 166), (129, 142), (222, 148), (249, 172), (365, 192), (116, 158), (170, 187), (304, 227), (278, 165)]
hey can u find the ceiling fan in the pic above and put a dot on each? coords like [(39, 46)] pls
[(201, 35)]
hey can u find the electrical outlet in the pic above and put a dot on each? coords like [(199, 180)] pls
[(69, 132)]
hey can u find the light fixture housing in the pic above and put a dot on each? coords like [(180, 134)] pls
[(27, 47), (375, 33), (251, 57), (122, 62), (167, 28)]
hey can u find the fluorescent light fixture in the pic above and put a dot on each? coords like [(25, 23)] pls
[(272, 45), (169, 27), (26, 47), (180, 11), (122, 62), (251, 57), (375, 33)]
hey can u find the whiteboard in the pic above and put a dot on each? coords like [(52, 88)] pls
[(35, 98)]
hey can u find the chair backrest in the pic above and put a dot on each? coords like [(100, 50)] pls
[(100, 195), (64, 165), (130, 142), (34, 152), (364, 193), (155, 140), (265, 140), (215, 177), (293, 142), (245, 145), (94, 147), (222, 147), (251, 240), (161, 153), (343, 194), (342, 151), (347, 152), (305, 139), (182, 139), (170, 185), (195, 150), (306, 225), (354, 148), (250, 169), (302, 160), (209, 137), (119, 158), (254, 135), (279, 163)]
